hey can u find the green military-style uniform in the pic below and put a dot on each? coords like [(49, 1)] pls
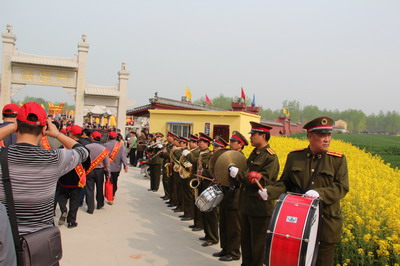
[(255, 212), (229, 221), (193, 158), (155, 163), (188, 198), (177, 183), (331, 182), (210, 219), (324, 172), (165, 178)]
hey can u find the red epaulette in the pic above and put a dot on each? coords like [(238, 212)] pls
[(333, 153), (298, 150), (270, 151)]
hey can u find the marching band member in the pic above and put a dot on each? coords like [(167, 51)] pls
[(219, 143), (318, 173), (166, 164), (229, 216), (176, 155), (155, 162), (256, 211), (210, 219), (191, 157), (184, 181), (173, 202)]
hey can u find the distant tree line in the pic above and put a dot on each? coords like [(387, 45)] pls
[(40, 101), (357, 120)]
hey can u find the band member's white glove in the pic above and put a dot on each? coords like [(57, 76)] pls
[(263, 193), (312, 194), (233, 171), (185, 152), (187, 164), (159, 146)]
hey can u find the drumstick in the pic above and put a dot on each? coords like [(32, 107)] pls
[(258, 184), (203, 177)]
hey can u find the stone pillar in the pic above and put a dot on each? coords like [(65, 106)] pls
[(8, 50), (83, 49), (123, 76)]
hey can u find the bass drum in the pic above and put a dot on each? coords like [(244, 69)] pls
[(293, 234), (209, 198)]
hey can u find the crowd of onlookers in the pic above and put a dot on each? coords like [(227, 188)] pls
[(53, 162)]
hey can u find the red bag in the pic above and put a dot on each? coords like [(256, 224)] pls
[(108, 190)]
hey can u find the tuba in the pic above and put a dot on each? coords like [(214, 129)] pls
[(177, 165)]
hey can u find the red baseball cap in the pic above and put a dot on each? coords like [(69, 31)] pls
[(35, 109), (96, 134), (113, 134), (76, 130), (64, 131), (10, 109)]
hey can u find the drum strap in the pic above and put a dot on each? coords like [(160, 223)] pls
[(313, 175)]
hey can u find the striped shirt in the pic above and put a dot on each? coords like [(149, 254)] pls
[(34, 173)]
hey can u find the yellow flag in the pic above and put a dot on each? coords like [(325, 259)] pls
[(285, 111), (42, 106), (188, 94)]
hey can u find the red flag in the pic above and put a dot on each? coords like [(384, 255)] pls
[(208, 100), (243, 95)]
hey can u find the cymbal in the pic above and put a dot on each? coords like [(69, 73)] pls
[(214, 158), (226, 159)]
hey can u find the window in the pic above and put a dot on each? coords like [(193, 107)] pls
[(180, 129)]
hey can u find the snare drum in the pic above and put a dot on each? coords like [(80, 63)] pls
[(292, 236), (209, 198)]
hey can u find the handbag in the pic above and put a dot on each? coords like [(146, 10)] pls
[(40, 248), (108, 190)]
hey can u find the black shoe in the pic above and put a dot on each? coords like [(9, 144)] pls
[(182, 216), (165, 198), (154, 190), (168, 202), (72, 225), (162, 197), (203, 238), (195, 229), (99, 207), (170, 205), (149, 189), (186, 219), (62, 218), (222, 253), (228, 258), (192, 226), (90, 212)]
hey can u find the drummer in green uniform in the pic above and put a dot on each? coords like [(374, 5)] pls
[(318, 173), (255, 210)]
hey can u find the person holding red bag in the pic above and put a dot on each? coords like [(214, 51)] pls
[(255, 210)]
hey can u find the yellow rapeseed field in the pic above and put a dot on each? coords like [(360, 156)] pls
[(371, 232)]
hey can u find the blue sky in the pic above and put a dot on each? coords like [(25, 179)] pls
[(333, 54)]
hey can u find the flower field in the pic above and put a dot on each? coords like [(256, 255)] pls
[(371, 231)]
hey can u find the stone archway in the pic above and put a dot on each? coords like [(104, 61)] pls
[(20, 69)]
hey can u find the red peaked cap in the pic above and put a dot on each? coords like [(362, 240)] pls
[(113, 134), (10, 109), (219, 141), (35, 109), (96, 134), (76, 130)]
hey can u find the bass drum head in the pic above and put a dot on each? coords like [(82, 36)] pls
[(311, 232)]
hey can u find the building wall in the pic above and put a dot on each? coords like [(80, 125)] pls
[(236, 120)]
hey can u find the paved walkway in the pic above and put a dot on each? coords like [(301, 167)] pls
[(137, 230)]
